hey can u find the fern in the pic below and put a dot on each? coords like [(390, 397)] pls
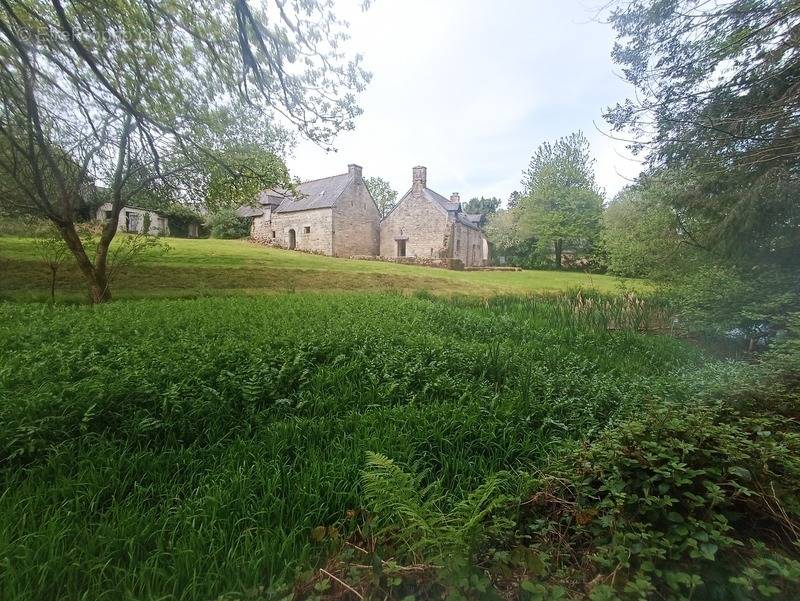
[(408, 513)]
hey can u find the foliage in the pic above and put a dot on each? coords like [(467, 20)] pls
[(180, 216), (722, 300), (559, 209), (135, 96), (718, 121), (561, 204), (213, 436), (238, 173), (52, 251), (227, 224), (381, 190), (687, 502), (677, 500), (482, 206), (640, 235), (715, 102)]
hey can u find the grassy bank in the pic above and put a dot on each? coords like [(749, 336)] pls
[(222, 267), (186, 449)]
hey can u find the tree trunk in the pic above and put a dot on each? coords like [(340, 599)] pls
[(96, 276), (53, 271), (558, 248)]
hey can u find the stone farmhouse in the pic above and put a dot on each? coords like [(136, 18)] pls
[(334, 216), (426, 225), (337, 216)]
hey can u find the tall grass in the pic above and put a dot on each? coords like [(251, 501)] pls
[(188, 449)]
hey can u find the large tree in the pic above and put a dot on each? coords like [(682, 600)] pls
[(98, 95), (718, 111), (561, 204), (381, 190), (483, 205)]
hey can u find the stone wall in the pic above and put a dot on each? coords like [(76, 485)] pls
[(318, 237), (423, 224), (261, 227), (132, 220), (355, 221), (468, 245)]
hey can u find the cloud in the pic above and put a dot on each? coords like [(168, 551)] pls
[(470, 89)]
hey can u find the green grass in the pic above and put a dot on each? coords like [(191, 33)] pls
[(223, 267), (186, 449)]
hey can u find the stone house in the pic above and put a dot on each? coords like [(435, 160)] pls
[(133, 219), (334, 216), (426, 225)]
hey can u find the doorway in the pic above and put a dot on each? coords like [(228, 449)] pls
[(401, 248), (292, 240)]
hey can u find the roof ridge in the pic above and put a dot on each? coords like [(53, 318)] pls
[(308, 181)]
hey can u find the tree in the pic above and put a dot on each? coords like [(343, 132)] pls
[(226, 223), (717, 105), (114, 92), (717, 117), (561, 204), (640, 235), (482, 206), (52, 251), (381, 190)]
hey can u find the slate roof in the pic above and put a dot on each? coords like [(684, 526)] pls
[(316, 194), (441, 200), (248, 211), (463, 218)]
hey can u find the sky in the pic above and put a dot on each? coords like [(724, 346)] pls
[(470, 88)]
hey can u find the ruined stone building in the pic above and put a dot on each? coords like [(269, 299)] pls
[(337, 216)]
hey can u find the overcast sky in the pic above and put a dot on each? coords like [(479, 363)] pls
[(470, 88)]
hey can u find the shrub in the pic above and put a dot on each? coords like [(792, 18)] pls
[(227, 224), (686, 501)]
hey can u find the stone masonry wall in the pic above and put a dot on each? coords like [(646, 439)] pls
[(319, 222), (261, 228), (425, 225), (467, 245), (355, 222)]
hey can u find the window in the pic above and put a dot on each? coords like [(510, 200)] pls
[(401, 248), (131, 221), (273, 233), (307, 229), (458, 245), (109, 215)]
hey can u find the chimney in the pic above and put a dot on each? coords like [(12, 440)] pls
[(354, 170), (420, 179), (454, 197)]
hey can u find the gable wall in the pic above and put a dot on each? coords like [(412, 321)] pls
[(261, 227), (425, 225), (355, 222)]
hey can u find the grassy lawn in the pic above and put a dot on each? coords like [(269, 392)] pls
[(214, 267), (188, 449)]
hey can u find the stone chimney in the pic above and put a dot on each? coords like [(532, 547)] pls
[(354, 170), (420, 179), (454, 197)]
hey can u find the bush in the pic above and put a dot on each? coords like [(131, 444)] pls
[(227, 224)]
